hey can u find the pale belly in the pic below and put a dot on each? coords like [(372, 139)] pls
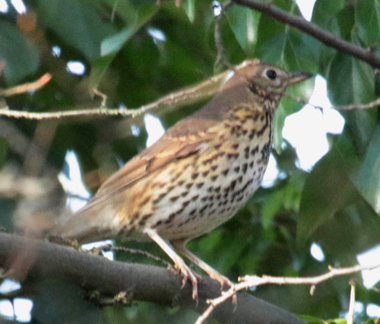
[(209, 192)]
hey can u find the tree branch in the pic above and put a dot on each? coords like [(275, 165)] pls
[(145, 282), (313, 30), (30, 86), (251, 281), (176, 99)]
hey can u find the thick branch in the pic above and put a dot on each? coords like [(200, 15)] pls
[(149, 283), (313, 30)]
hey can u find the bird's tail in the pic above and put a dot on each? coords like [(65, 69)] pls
[(88, 224)]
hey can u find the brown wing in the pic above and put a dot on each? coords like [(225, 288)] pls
[(185, 138), (90, 222)]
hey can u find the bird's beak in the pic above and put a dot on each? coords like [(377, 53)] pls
[(297, 77)]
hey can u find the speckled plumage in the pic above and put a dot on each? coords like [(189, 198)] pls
[(197, 175)]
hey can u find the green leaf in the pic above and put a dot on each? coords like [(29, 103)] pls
[(271, 206), (358, 86), (244, 24), (111, 45), (367, 21), (282, 45), (325, 13), (367, 179), (346, 21), (287, 198), (189, 7), (327, 189), (98, 68), (358, 83), (86, 29), (115, 42), (312, 319), (21, 57), (124, 9)]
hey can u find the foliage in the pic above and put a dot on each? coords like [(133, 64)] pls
[(136, 51)]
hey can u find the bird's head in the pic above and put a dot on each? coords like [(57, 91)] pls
[(266, 80)]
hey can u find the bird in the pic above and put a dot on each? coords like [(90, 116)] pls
[(195, 177)]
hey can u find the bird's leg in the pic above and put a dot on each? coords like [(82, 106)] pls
[(186, 272), (179, 245)]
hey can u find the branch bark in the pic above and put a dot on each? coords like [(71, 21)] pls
[(148, 283), (313, 30)]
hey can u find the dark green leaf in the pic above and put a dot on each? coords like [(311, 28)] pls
[(282, 45), (244, 24), (350, 80), (346, 22), (367, 179), (20, 57), (111, 45), (98, 68), (327, 189), (86, 29), (367, 20), (325, 13)]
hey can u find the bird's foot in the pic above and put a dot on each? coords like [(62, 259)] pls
[(223, 281), (188, 274)]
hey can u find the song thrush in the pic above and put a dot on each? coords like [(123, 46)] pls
[(196, 176)]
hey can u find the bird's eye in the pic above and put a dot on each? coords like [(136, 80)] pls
[(271, 74)]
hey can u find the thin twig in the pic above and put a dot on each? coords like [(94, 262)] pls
[(254, 281), (179, 98), (313, 30), (351, 308), (369, 105), (26, 87)]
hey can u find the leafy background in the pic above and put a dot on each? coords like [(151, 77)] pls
[(136, 51)]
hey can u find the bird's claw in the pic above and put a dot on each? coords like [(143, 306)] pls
[(188, 274)]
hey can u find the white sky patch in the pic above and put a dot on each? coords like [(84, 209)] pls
[(306, 129), (76, 67), (359, 307), (6, 309), (372, 256), (306, 7), (4, 6), (154, 129), (19, 6), (72, 182), (8, 285), (271, 172), (317, 252), (135, 130), (217, 8), (373, 310), (95, 245), (56, 51), (23, 309), (157, 34)]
